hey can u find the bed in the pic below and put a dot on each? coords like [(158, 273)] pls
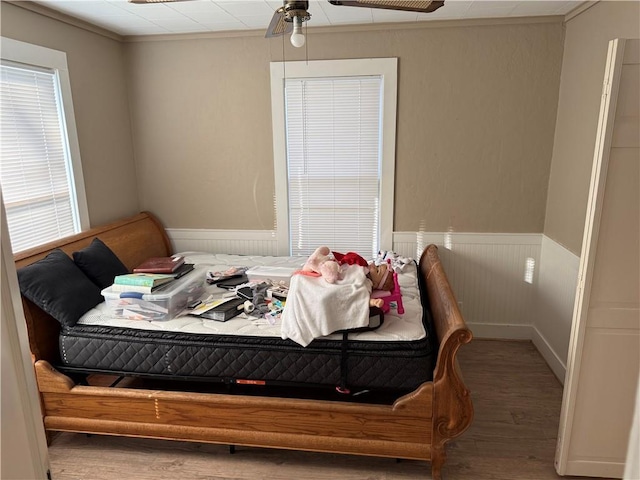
[(413, 420), (397, 356)]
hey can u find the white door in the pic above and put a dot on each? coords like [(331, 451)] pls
[(22, 442), (604, 352)]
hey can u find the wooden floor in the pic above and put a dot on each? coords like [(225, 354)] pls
[(513, 436)]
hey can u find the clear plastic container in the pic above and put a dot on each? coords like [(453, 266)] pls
[(263, 273), (165, 303)]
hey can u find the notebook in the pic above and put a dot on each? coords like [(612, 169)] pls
[(225, 311), (233, 282)]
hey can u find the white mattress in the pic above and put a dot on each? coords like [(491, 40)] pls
[(406, 327)]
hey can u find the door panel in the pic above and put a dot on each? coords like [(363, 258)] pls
[(604, 354)]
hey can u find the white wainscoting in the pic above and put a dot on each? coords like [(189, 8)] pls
[(555, 296), (487, 272), (233, 242), (510, 286)]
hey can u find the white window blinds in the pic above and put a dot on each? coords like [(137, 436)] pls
[(333, 142), (35, 169)]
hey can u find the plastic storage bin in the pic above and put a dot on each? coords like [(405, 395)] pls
[(264, 273), (163, 304)]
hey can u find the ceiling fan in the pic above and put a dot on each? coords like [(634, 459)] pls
[(290, 16)]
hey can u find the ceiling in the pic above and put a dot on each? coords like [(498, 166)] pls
[(202, 16)]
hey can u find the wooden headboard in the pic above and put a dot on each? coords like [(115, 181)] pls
[(133, 240)]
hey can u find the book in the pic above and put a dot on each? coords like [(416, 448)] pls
[(229, 273), (142, 279), (225, 310), (137, 288), (160, 265), (182, 270), (233, 282)]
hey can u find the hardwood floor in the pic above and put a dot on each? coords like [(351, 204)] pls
[(513, 436)]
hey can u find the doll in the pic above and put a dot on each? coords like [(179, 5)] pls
[(322, 264), (385, 286)]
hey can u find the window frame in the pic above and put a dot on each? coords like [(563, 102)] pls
[(27, 54), (386, 68)]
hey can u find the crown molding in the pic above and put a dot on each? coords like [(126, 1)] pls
[(62, 17), (580, 9), (425, 24)]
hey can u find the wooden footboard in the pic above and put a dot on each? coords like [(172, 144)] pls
[(453, 409), (416, 426)]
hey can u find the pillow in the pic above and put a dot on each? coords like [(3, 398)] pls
[(99, 263), (59, 287)]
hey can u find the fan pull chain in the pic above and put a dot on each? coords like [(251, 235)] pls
[(284, 63)]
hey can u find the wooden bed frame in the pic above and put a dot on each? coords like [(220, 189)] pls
[(416, 426)]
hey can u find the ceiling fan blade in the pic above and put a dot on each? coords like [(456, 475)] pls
[(278, 25), (142, 2), (422, 6)]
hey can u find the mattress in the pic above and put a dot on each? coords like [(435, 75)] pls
[(249, 350)]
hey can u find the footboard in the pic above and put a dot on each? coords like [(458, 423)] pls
[(453, 409), (416, 426)]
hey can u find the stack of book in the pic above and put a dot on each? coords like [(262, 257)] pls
[(140, 282), (151, 275)]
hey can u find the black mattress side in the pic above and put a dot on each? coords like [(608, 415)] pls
[(370, 364)]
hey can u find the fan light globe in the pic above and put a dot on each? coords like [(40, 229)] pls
[(297, 39)]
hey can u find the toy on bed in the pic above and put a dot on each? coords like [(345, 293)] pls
[(385, 286), (384, 279), (327, 264), (321, 264)]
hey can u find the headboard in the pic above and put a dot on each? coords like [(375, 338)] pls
[(133, 240)]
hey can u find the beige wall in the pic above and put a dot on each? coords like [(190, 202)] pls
[(476, 116), (98, 84), (585, 53)]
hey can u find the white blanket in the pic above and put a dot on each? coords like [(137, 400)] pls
[(316, 308)]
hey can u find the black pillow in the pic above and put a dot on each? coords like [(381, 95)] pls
[(99, 263), (59, 287)]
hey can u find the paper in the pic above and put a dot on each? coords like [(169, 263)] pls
[(208, 305)]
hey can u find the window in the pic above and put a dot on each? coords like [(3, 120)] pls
[(334, 150), (40, 170)]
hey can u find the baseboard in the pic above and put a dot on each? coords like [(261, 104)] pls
[(558, 367), (601, 469), (502, 332), (522, 332)]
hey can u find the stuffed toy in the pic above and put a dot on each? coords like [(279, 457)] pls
[(381, 276), (350, 258), (322, 263)]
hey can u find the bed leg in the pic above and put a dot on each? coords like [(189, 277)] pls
[(232, 449), (438, 457)]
